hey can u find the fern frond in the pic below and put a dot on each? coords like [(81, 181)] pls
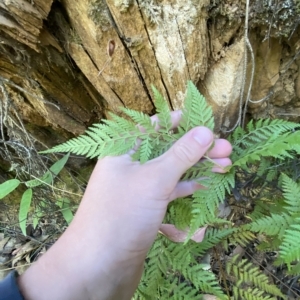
[(141, 119), (207, 200), (242, 237), (250, 294), (261, 209), (211, 239), (180, 213), (249, 275), (163, 111), (176, 255), (204, 280), (295, 269), (161, 144), (183, 291), (272, 225), (262, 130), (276, 146), (289, 250), (145, 149), (291, 192), (196, 112)]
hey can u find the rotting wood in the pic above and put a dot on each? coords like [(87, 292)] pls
[(23, 21)]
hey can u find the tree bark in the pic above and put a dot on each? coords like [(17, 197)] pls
[(64, 65)]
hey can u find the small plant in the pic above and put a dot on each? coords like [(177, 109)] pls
[(47, 179), (172, 270)]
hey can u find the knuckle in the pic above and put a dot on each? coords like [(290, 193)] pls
[(184, 153)]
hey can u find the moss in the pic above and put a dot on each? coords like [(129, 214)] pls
[(99, 13)]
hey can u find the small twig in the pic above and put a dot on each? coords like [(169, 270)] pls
[(61, 190)]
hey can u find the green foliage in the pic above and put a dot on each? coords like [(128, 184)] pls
[(196, 112), (64, 205), (164, 262), (47, 179), (206, 201), (250, 282), (8, 186), (49, 176), (24, 209), (266, 138), (173, 271)]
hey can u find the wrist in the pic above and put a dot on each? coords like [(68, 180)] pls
[(75, 268)]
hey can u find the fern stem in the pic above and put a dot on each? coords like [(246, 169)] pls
[(215, 163)]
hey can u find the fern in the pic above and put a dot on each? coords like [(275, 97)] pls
[(163, 112), (206, 201), (196, 112), (289, 249), (212, 238), (172, 270), (291, 194), (272, 225), (251, 283), (179, 213), (164, 262)]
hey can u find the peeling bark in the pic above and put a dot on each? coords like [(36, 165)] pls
[(61, 74)]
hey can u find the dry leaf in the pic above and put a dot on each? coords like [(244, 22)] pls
[(23, 252), (3, 243)]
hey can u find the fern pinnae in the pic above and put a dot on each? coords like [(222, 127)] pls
[(247, 274), (274, 225), (289, 249), (212, 238), (196, 112), (118, 123), (141, 119), (145, 150), (278, 147), (163, 111), (291, 192), (263, 130)]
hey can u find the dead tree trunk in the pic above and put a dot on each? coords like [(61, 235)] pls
[(64, 65)]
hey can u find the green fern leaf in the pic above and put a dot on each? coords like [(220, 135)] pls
[(241, 237), (289, 249), (196, 112), (248, 275), (211, 239), (291, 192), (180, 213), (276, 146), (163, 111), (141, 119), (205, 281), (207, 200), (272, 225)]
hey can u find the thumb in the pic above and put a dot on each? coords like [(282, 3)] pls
[(186, 152)]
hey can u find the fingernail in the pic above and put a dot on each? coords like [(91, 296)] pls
[(203, 136)]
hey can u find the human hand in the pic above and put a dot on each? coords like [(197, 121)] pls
[(103, 250)]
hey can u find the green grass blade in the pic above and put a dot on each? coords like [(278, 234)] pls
[(8, 186), (24, 209)]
